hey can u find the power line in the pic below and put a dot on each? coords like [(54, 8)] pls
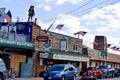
[(72, 10), (88, 9), (63, 17)]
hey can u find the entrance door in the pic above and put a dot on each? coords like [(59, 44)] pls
[(15, 62)]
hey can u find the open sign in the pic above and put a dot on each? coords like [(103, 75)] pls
[(42, 38)]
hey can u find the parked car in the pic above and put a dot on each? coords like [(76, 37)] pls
[(3, 70), (117, 72), (61, 72), (107, 71), (92, 73)]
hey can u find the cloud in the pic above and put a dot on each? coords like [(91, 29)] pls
[(47, 8), (69, 1), (108, 16)]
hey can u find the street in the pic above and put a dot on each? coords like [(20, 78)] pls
[(38, 78)]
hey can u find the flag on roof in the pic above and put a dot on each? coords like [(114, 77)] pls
[(59, 26), (108, 45), (113, 48), (80, 32), (8, 17)]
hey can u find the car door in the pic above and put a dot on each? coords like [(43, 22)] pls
[(71, 72)]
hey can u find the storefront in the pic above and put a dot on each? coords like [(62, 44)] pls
[(17, 55), (63, 57)]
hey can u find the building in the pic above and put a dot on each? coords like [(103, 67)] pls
[(58, 49), (16, 47), (96, 59)]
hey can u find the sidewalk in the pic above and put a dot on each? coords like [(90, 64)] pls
[(35, 78), (31, 78)]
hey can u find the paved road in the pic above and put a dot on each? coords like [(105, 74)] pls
[(78, 78), (42, 79)]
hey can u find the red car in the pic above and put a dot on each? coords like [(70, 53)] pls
[(92, 73)]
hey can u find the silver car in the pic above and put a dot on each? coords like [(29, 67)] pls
[(3, 70)]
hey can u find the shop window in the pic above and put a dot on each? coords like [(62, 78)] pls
[(75, 47)]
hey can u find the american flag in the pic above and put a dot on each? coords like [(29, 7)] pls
[(59, 26), (80, 32), (108, 45), (8, 17)]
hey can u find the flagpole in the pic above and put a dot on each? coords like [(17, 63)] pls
[(78, 36)]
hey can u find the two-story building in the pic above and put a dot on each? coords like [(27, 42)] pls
[(54, 48), (17, 48)]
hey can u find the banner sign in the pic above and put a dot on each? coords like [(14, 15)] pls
[(69, 57), (17, 44)]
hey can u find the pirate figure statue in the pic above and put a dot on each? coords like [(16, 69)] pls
[(31, 12)]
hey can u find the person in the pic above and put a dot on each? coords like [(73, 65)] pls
[(12, 31), (31, 12)]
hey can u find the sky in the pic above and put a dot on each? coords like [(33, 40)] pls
[(96, 17)]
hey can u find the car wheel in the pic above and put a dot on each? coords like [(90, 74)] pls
[(63, 78), (1, 77), (74, 77)]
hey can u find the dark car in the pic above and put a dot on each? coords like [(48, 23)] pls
[(107, 72), (61, 72)]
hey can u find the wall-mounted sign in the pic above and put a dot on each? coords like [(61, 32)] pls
[(43, 55), (17, 44), (70, 57), (42, 38)]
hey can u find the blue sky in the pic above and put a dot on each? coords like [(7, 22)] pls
[(96, 17)]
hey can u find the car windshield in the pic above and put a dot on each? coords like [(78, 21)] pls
[(103, 67), (57, 68), (91, 68)]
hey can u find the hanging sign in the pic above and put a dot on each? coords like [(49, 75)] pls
[(42, 38)]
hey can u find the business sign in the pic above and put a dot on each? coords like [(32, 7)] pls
[(70, 57), (43, 55), (103, 53), (2, 13), (16, 44), (42, 38)]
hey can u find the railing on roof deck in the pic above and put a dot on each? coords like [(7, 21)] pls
[(14, 36)]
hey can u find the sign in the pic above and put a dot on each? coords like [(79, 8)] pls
[(43, 55), (103, 53), (70, 57), (16, 44), (42, 38)]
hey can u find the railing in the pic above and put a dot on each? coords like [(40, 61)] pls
[(14, 36)]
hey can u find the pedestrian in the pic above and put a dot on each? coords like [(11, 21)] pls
[(31, 12)]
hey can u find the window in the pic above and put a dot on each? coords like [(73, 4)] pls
[(75, 47), (63, 45), (50, 42)]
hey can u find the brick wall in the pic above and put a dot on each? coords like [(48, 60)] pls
[(94, 54)]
